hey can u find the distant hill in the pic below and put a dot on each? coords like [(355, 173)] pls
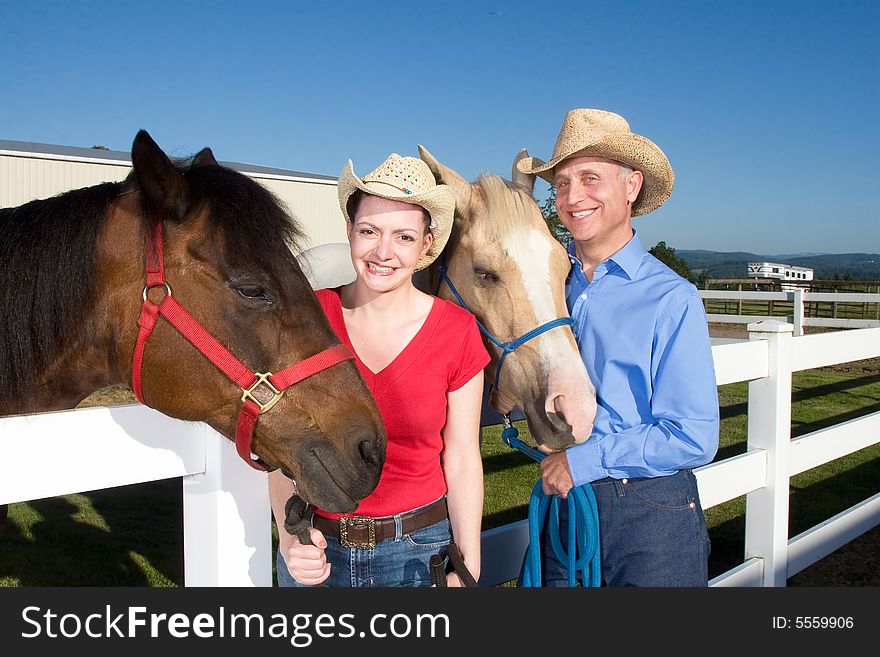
[(861, 266)]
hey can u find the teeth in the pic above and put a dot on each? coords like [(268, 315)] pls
[(379, 270), (583, 213)]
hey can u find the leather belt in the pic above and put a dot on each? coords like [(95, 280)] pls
[(365, 532)]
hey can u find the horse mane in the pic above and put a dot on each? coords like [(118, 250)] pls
[(47, 278), (507, 204), (48, 266)]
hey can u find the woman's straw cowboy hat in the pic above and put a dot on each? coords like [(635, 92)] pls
[(592, 132), (406, 179)]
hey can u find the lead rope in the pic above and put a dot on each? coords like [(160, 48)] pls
[(581, 550)]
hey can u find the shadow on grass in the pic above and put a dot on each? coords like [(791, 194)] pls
[(135, 541), (735, 410)]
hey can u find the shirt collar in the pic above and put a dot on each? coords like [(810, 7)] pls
[(628, 258)]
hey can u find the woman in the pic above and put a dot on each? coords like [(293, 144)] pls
[(423, 359)]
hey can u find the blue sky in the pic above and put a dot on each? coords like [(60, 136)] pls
[(767, 110)]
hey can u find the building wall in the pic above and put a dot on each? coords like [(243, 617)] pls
[(25, 177)]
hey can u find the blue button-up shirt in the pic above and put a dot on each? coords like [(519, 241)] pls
[(642, 333)]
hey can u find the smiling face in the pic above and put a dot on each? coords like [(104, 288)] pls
[(387, 239), (594, 199)]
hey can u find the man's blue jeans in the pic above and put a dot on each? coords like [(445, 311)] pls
[(653, 533), (399, 561)]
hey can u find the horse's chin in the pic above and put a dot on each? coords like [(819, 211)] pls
[(549, 429), (326, 482)]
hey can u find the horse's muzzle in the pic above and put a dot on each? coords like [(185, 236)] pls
[(337, 480)]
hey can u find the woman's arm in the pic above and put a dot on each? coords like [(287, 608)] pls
[(463, 469)]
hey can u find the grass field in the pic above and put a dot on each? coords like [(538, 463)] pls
[(132, 535)]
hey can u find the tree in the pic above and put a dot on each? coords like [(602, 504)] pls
[(551, 217), (667, 255)]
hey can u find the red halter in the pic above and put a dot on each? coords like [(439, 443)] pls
[(260, 391)]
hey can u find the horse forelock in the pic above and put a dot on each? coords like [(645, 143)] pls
[(251, 219), (47, 279), (507, 208), (511, 220)]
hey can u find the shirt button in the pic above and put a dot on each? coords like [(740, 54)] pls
[(583, 296), (625, 481)]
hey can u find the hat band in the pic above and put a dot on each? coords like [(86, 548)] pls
[(405, 190)]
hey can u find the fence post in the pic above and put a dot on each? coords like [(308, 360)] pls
[(227, 530), (769, 429), (798, 311)]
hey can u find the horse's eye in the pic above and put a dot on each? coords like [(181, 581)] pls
[(254, 292), (485, 276)]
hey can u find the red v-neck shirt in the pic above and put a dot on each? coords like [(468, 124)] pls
[(410, 392)]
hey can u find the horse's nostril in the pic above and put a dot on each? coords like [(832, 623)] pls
[(370, 452)]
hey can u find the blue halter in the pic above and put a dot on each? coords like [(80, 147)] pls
[(581, 550), (506, 347)]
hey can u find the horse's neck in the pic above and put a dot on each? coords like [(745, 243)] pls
[(425, 280)]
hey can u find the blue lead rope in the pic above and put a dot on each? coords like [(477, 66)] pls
[(581, 548), (506, 348)]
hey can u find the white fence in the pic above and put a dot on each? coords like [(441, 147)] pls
[(797, 297), (227, 532)]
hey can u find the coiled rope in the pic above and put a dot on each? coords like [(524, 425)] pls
[(580, 549)]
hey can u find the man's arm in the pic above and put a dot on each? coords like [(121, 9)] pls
[(683, 429)]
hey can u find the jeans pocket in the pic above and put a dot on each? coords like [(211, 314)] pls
[(432, 537), (673, 493)]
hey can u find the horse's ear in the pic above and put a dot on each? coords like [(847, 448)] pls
[(162, 183), (460, 187), (524, 180), (205, 158)]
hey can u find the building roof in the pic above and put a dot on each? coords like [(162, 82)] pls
[(74, 152)]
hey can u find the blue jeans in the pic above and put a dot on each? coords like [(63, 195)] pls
[(399, 561), (652, 530)]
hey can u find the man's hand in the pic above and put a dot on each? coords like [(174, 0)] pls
[(555, 475)]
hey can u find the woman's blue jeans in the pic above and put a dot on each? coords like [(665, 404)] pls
[(399, 561), (652, 530)]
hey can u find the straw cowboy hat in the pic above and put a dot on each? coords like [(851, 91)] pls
[(592, 132), (406, 179)]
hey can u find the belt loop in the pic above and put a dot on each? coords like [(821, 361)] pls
[(398, 527), (619, 488)]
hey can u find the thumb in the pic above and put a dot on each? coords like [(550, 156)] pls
[(318, 539)]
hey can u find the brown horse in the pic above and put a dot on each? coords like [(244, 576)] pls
[(510, 272), (75, 306)]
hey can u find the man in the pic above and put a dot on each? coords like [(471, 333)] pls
[(643, 336)]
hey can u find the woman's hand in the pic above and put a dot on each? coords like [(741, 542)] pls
[(307, 563)]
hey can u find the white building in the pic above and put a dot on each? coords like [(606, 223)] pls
[(31, 171), (779, 271)]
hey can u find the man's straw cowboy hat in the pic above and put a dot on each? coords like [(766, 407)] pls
[(406, 179), (592, 132)]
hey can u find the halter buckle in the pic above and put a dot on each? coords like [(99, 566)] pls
[(268, 389), (148, 286)]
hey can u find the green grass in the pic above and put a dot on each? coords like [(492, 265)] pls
[(132, 535)]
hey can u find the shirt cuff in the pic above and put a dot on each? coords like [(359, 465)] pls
[(585, 462)]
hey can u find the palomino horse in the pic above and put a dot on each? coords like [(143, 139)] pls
[(224, 299), (510, 272)]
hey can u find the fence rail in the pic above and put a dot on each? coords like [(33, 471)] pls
[(854, 310), (227, 527)]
